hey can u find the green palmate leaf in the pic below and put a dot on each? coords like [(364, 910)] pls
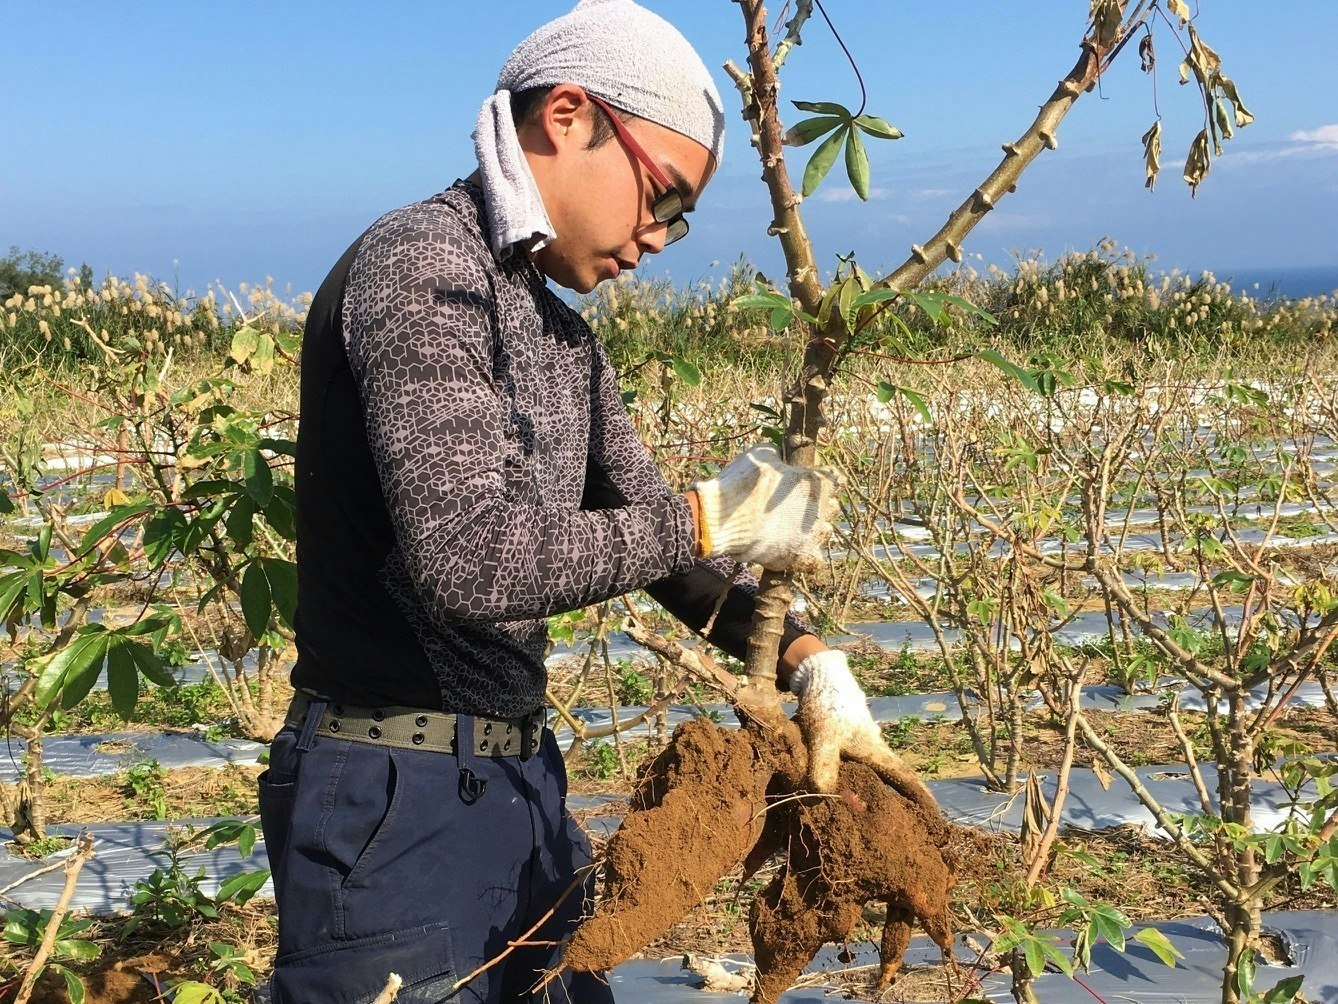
[(240, 522), (206, 489), (192, 992), (74, 986), (857, 164), (286, 447), (877, 127), (263, 359), (222, 832), (242, 886), (876, 296), (887, 391), (41, 548), (256, 605), (83, 673), (282, 577), (164, 533), (122, 678), (822, 160), (806, 131), (281, 513), (73, 659), (1284, 992), (12, 588), (1233, 580), (259, 478), (824, 108), (767, 299), (963, 304), (1110, 924), (1012, 369), (686, 372), (77, 949), (1034, 950), (1160, 945), (95, 533), (244, 342)]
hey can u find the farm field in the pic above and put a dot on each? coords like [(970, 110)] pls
[(1090, 587)]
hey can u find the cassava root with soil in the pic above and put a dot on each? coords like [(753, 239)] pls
[(716, 797)]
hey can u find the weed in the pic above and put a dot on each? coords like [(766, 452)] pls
[(633, 686), (899, 733), (144, 784), (603, 761)]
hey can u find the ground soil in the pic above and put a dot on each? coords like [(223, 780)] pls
[(1144, 878)]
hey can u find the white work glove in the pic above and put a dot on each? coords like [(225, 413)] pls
[(762, 511), (835, 720)]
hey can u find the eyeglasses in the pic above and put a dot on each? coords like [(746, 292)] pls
[(668, 205)]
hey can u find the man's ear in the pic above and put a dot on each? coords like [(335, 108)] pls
[(565, 118)]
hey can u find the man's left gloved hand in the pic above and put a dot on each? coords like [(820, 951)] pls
[(834, 717)]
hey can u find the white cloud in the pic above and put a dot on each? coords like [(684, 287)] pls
[(932, 193), (1325, 135)]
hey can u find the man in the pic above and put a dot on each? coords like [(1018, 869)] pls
[(465, 469)]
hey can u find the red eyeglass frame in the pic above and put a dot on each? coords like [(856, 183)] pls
[(667, 207)]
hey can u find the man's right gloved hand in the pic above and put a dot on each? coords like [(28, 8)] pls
[(762, 511)]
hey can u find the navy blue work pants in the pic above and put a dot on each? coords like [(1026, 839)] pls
[(388, 860)]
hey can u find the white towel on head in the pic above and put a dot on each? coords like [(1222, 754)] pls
[(516, 213), (617, 50)]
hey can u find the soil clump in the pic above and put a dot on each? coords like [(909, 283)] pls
[(716, 797)]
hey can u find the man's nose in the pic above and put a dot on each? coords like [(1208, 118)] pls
[(650, 238)]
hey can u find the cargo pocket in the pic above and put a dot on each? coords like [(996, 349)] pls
[(276, 816), (355, 972)]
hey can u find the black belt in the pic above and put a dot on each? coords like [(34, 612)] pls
[(419, 729)]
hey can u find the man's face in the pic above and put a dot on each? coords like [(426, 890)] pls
[(599, 201)]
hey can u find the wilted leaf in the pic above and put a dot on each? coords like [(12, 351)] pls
[(1152, 153), (1197, 163), (1180, 9), (1106, 16), (1243, 115), (1147, 53), (114, 497)]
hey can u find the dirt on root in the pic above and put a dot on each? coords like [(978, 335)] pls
[(716, 797), (695, 813)]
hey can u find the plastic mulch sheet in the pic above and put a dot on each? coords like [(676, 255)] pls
[(100, 755), (1134, 975), (124, 853)]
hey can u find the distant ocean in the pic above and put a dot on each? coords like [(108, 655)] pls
[(1289, 283)]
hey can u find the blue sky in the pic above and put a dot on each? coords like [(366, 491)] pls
[(235, 140)]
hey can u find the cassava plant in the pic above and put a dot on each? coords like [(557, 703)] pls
[(828, 845), (197, 523)]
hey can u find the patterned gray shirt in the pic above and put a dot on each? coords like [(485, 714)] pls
[(514, 485)]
